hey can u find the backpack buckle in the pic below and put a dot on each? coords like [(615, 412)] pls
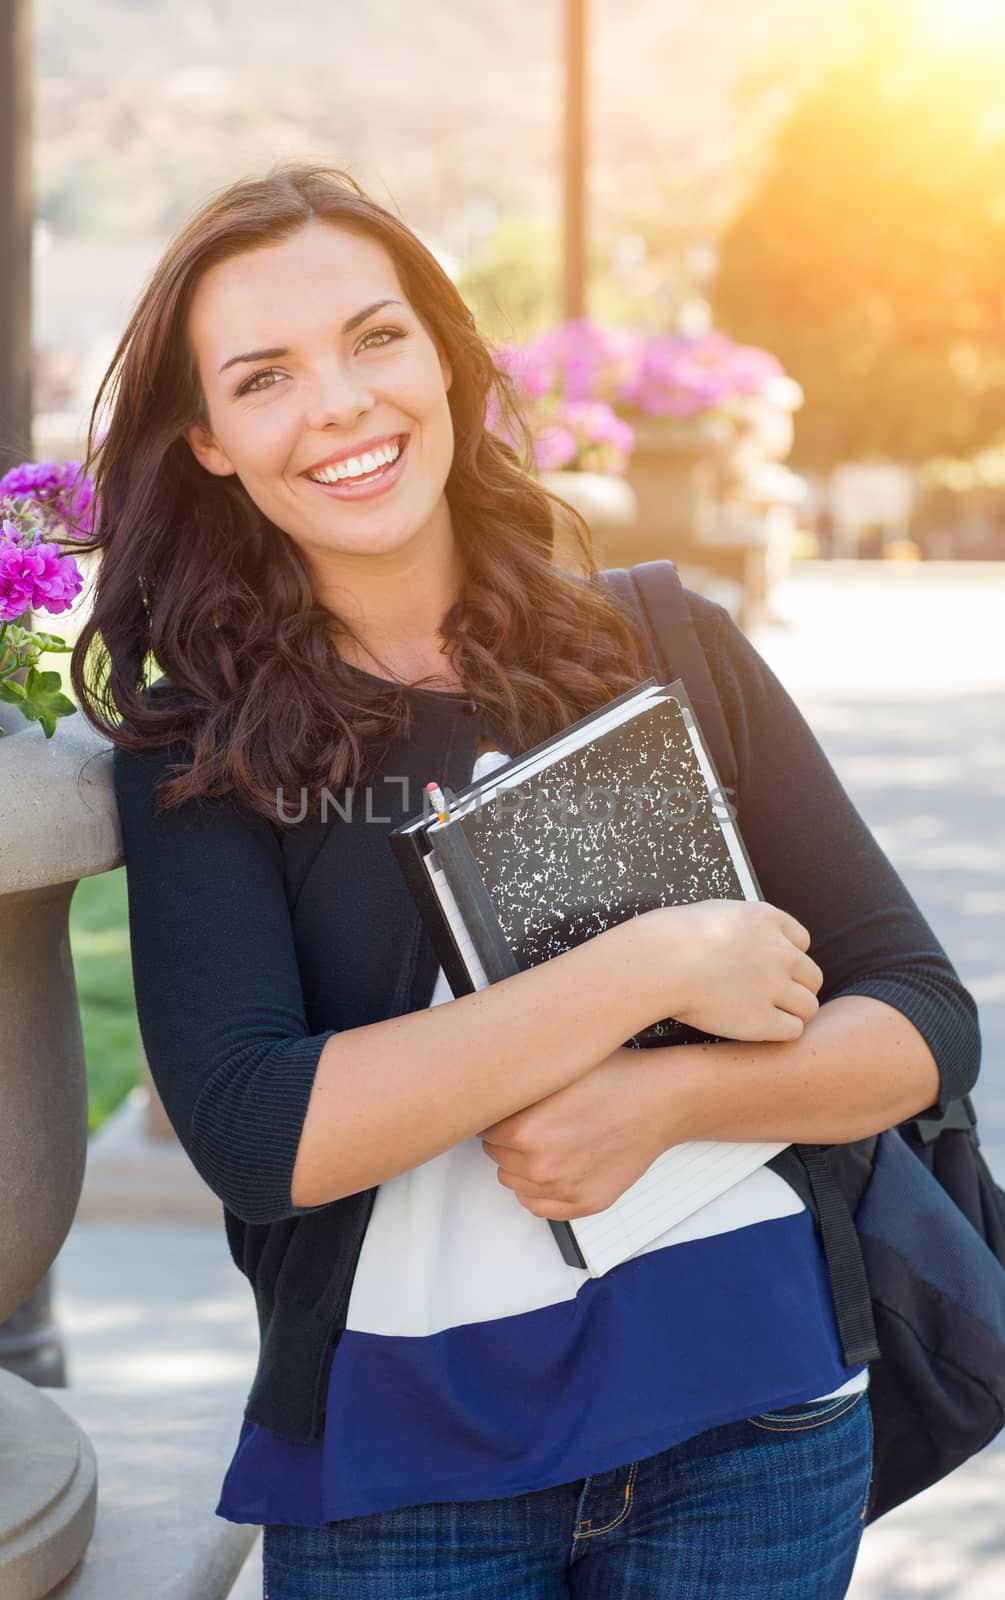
[(959, 1114)]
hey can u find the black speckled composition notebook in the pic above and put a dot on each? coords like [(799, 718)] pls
[(615, 815)]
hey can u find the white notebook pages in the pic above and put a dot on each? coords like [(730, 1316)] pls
[(679, 1182)]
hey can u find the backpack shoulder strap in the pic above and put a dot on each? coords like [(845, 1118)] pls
[(653, 593)]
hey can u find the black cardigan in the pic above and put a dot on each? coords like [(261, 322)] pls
[(255, 940)]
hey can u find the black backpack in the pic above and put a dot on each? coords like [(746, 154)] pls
[(911, 1221)]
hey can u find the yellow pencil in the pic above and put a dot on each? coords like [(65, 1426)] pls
[(439, 800)]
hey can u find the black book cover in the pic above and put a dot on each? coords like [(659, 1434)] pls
[(632, 819)]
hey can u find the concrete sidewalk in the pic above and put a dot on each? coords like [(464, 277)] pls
[(158, 1313), (902, 677), (900, 672)]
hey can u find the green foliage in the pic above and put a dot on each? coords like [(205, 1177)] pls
[(76, 198), (38, 699), (513, 284), (871, 258), (99, 943)]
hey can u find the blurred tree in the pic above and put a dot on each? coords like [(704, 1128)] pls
[(647, 275), (513, 282), (871, 256)]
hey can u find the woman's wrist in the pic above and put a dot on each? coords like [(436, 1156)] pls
[(656, 968), (672, 1092)]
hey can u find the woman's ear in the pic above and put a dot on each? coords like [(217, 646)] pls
[(447, 370), (207, 452)]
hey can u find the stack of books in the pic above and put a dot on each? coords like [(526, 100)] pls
[(611, 817)]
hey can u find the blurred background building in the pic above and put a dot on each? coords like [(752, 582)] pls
[(826, 183)]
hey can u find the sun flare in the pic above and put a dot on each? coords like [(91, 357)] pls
[(966, 21)]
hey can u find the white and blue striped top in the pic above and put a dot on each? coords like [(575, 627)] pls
[(476, 1365)]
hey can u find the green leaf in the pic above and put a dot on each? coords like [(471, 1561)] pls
[(43, 702), (11, 691)]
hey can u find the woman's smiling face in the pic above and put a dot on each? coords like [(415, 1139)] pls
[(300, 364)]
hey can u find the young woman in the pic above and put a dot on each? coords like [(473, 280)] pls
[(348, 587)]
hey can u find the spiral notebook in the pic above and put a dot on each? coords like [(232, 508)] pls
[(613, 816)]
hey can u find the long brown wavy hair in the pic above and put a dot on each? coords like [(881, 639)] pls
[(193, 574)]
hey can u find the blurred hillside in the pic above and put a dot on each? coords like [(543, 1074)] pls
[(451, 113), (751, 164)]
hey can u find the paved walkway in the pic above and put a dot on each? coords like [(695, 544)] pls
[(902, 676)]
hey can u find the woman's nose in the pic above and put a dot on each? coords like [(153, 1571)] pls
[(337, 394)]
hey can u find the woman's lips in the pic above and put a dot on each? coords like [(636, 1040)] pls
[(354, 489)]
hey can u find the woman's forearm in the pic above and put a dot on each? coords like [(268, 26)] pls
[(390, 1095), (859, 1066)]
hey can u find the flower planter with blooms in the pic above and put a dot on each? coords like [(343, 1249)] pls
[(39, 506), (687, 420), (589, 392)]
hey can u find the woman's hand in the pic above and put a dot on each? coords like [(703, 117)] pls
[(577, 1151), (739, 968)]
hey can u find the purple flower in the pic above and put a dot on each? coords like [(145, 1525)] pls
[(578, 360), (586, 435), (61, 490), (750, 369), (529, 370), (681, 377), (554, 448), (563, 374), (34, 575)]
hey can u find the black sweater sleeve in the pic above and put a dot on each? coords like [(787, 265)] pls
[(816, 858), (218, 991)]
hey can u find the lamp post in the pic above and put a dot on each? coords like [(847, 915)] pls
[(29, 1342), (574, 165), (15, 231), (15, 240)]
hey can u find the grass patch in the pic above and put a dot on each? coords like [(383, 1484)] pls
[(99, 942)]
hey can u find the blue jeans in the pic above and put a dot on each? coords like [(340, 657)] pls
[(768, 1508)]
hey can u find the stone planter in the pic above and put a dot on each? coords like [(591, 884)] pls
[(675, 473), (59, 824), (691, 484), (606, 502)]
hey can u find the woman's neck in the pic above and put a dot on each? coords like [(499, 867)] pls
[(432, 663)]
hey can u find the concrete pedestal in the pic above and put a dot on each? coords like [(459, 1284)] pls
[(50, 1487), (162, 1461)]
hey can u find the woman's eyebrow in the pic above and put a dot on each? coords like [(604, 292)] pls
[(347, 327)]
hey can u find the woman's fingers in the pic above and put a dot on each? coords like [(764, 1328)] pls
[(806, 972), (786, 1026), (798, 1001), (794, 930)]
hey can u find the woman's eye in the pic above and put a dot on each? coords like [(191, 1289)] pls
[(391, 333), (268, 377), (253, 385)]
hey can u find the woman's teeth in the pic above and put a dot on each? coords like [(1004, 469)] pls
[(366, 465)]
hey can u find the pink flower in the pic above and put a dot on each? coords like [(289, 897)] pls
[(34, 575), (564, 374), (578, 360), (554, 448), (61, 490), (586, 435)]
